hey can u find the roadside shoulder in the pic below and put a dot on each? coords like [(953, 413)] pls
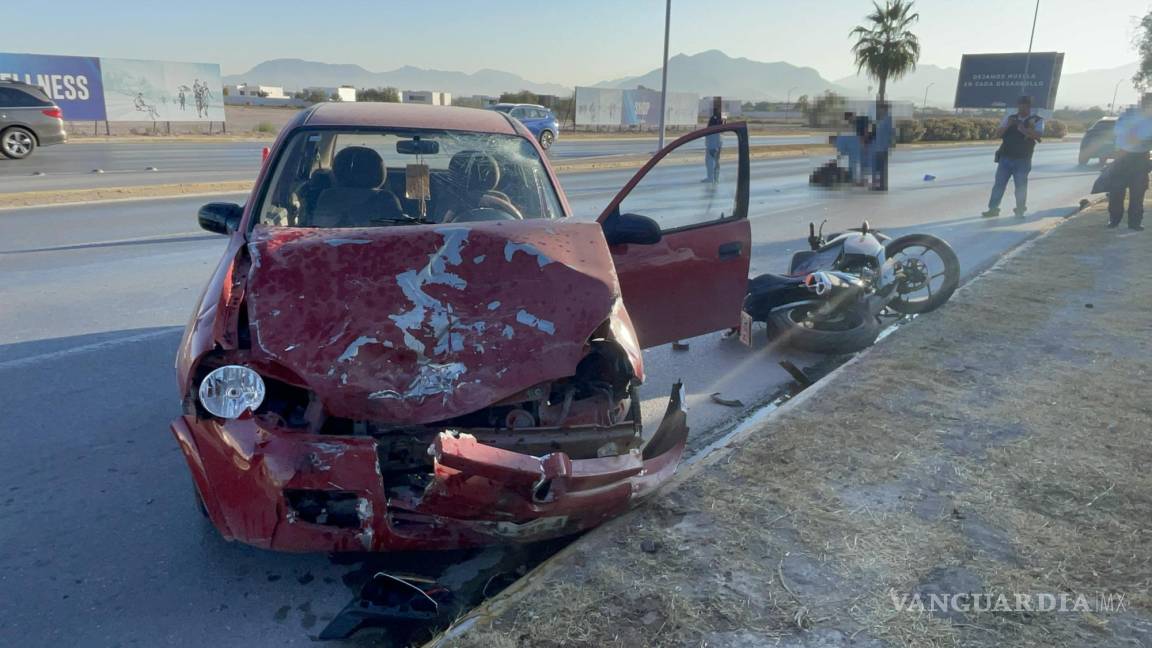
[(997, 446)]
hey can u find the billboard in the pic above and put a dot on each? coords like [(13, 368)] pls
[(998, 80), (94, 89), (160, 91), (73, 82), (639, 107)]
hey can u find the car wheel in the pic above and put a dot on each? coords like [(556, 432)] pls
[(17, 143), (546, 139)]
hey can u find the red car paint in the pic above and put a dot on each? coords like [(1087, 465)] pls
[(399, 334)]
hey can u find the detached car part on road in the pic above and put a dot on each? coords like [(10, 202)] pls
[(408, 344), (28, 118)]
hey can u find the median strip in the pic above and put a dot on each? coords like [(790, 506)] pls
[(977, 480)]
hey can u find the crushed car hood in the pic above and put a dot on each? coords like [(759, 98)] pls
[(417, 324)]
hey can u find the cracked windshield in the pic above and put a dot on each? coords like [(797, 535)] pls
[(740, 323)]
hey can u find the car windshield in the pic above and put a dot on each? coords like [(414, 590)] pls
[(368, 178)]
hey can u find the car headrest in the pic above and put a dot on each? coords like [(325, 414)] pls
[(477, 171), (359, 167)]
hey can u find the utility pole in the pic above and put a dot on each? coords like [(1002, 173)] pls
[(664, 72), (924, 104), (1031, 39), (1112, 106), (788, 103)]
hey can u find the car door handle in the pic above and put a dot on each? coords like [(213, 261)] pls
[(731, 250)]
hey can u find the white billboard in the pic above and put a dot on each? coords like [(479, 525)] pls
[(136, 90), (639, 107)]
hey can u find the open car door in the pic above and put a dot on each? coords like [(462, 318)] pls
[(691, 277)]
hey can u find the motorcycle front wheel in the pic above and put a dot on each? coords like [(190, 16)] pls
[(852, 330), (930, 273)]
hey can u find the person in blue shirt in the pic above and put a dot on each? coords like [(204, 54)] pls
[(1019, 133), (882, 140), (1130, 175)]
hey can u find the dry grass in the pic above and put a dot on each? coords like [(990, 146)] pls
[(1005, 438)]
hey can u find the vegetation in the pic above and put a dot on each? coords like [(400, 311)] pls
[(1143, 43), (265, 127), (826, 110), (885, 48), (961, 129), (382, 95), (312, 96)]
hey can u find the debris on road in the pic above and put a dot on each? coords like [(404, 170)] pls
[(716, 398)]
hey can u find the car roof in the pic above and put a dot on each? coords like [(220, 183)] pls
[(398, 115), (518, 105)]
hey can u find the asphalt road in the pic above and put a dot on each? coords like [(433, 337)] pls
[(121, 164), (102, 546)]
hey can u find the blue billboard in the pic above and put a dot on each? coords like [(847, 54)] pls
[(998, 80), (73, 82)]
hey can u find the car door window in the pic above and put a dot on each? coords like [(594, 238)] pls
[(694, 185)]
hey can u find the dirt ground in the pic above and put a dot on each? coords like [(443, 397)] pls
[(997, 446)]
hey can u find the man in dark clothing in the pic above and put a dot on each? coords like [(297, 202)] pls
[(712, 146), (1130, 175), (1019, 133)]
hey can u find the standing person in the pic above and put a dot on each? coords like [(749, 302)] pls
[(881, 143), (1019, 133), (712, 145), (1133, 141)]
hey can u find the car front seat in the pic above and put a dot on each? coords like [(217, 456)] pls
[(474, 177), (356, 198)]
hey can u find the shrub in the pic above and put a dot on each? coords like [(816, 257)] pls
[(909, 130), (265, 127), (1055, 128)]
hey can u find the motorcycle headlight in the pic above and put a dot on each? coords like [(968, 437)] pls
[(229, 391)]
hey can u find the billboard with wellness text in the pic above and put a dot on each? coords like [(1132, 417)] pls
[(110, 89)]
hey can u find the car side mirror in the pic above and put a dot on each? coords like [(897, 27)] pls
[(620, 229), (220, 218)]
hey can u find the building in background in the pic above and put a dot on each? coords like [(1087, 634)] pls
[(262, 91), (338, 93), (728, 107), (426, 97)]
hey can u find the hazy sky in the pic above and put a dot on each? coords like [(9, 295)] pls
[(578, 42)]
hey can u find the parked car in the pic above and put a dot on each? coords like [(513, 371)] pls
[(409, 344), (539, 120), (1099, 141), (28, 118)]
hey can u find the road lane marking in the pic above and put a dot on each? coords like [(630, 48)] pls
[(29, 361)]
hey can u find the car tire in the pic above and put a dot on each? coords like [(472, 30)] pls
[(17, 143), (547, 139)]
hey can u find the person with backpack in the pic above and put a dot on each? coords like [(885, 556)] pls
[(1019, 133)]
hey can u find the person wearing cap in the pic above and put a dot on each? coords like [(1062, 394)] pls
[(1130, 175), (1019, 133)]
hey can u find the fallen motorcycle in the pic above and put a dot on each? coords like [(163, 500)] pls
[(835, 293)]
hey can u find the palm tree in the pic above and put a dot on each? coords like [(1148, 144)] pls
[(885, 47)]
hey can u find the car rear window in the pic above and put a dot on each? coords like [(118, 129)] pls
[(13, 97)]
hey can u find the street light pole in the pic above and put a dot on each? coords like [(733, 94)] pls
[(1112, 106), (924, 104), (1031, 39), (788, 103), (664, 72)]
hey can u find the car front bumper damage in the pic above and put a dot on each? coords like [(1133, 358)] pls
[(291, 491)]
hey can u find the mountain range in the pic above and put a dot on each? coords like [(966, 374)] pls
[(296, 74), (707, 73)]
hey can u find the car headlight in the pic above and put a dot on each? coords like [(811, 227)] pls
[(229, 391)]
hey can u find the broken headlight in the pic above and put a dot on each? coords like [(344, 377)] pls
[(230, 390)]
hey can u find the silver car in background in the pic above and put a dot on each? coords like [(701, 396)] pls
[(28, 118)]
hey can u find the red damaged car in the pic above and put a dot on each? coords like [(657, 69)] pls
[(410, 344)]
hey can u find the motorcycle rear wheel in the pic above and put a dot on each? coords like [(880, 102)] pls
[(855, 330), (950, 272)]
